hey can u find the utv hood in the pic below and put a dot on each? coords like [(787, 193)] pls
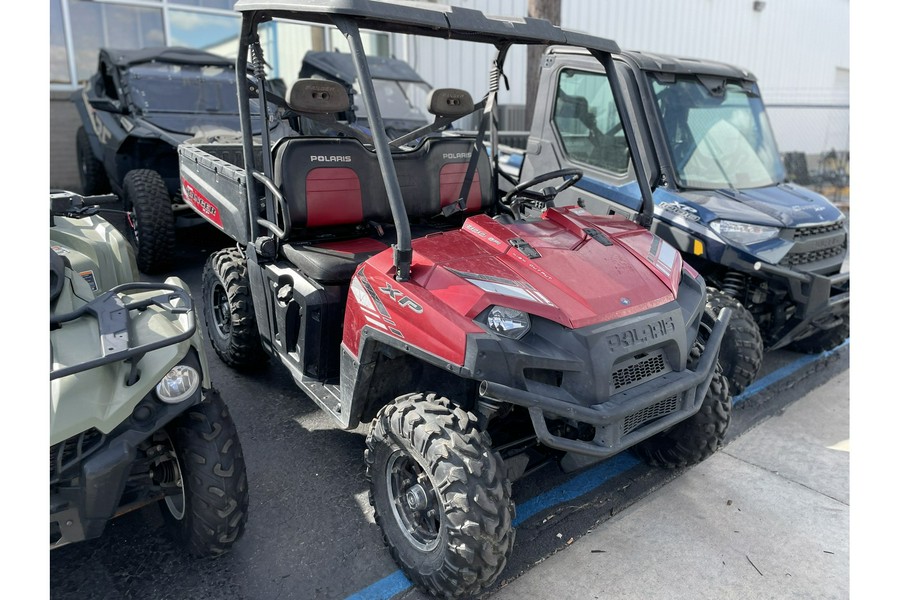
[(568, 267), (782, 205)]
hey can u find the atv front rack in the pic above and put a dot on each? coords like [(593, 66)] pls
[(112, 314)]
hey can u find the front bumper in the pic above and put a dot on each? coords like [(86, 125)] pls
[(822, 300), (627, 417), (87, 490)]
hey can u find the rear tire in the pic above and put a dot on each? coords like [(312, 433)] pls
[(741, 352), (440, 498), (210, 515), (151, 221), (228, 310), (823, 341), (90, 170)]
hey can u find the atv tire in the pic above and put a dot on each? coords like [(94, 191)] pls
[(440, 496), (151, 221), (741, 352), (210, 515), (90, 170), (697, 438), (823, 341), (228, 310)]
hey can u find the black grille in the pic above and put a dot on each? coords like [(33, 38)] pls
[(815, 230), (816, 243), (69, 453), (651, 413), (805, 258), (637, 370)]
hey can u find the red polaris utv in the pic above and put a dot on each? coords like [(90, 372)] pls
[(475, 332)]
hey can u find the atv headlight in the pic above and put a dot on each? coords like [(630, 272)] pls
[(508, 322), (179, 384), (743, 233)]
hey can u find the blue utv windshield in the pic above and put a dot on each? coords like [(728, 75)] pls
[(718, 136)]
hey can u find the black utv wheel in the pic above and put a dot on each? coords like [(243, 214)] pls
[(90, 170), (151, 221), (440, 495), (741, 353), (823, 341), (697, 438), (228, 310), (210, 513)]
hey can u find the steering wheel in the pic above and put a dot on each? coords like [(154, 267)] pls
[(522, 193)]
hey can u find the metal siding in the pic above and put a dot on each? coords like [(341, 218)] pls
[(794, 48)]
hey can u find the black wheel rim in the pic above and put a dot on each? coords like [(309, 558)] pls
[(172, 476), (414, 502), (221, 311)]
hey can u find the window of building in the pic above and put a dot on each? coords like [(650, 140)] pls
[(284, 45), (222, 4), (94, 25), (79, 28), (375, 44), (587, 121), (59, 53), (214, 33)]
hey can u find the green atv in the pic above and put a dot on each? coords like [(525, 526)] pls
[(134, 419)]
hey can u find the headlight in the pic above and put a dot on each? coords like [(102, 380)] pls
[(743, 233), (508, 322), (179, 384)]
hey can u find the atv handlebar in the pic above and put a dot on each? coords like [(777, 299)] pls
[(64, 203)]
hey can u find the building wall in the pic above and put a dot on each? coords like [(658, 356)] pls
[(798, 49), (64, 122)]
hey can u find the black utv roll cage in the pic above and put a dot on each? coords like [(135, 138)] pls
[(348, 16)]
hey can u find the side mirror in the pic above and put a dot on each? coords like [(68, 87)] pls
[(106, 105)]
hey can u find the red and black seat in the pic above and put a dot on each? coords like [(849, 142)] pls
[(334, 185)]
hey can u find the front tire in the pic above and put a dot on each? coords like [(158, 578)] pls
[(228, 310), (211, 513), (440, 498), (151, 221), (741, 352), (697, 438)]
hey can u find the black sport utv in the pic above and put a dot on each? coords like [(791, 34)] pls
[(398, 87), (135, 110)]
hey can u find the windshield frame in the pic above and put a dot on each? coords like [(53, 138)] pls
[(759, 154)]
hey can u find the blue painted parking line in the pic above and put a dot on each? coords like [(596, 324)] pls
[(779, 374), (397, 582), (384, 588), (575, 487)]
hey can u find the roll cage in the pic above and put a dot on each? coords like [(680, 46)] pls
[(452, 23)]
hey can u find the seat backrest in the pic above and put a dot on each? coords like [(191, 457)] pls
[(435, 172), (329, 181), (337, 181)]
